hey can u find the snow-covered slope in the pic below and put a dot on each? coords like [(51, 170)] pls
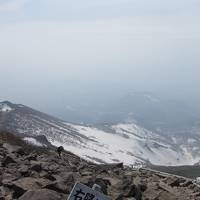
[(5, 107), (128, 143)]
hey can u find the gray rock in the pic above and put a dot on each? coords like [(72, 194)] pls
[(24, 170), (30, 157), (8, 178), (43, 194), (60, 187), (47, 176), (8, 160), (104, 183), (12, 148), (2, 198), (36, 167), (24, 184)]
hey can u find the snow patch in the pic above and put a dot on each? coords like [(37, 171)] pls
[(5, 108), (33, 141)]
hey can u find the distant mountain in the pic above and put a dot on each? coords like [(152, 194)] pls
[(147, 109), (155, 113), (104, 143)]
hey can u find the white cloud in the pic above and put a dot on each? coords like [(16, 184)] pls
[(12, 6)]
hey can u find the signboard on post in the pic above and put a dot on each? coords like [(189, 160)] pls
[(83, 192)]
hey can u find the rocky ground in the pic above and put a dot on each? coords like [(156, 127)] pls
[(30, 173)]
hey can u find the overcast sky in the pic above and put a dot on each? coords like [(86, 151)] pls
[(51, 51)]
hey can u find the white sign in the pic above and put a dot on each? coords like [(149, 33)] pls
[(83, 192)]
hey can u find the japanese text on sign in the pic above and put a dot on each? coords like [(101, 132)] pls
[(83, 192)]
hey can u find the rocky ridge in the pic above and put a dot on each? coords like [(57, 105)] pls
[(33, 173)]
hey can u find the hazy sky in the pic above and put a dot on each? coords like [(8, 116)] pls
[(52, 51)]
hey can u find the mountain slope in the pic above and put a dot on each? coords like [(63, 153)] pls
[(31, 173), (126, 143)]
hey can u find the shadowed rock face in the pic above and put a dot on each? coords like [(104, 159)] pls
[(30, 173)]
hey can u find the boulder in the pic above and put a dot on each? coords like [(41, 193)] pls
[(30, 157), (104, 183), (22, 185), (8, 160), (28, 183), (186, 183), (133, 191), (66, 177), (43, 194), (36, 167), (8, 177), (12, 148), (47, 176), (24, 170), (120, 197), (60, 187), (166, 196)]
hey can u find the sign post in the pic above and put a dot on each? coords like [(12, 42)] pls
[(83, 192)]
